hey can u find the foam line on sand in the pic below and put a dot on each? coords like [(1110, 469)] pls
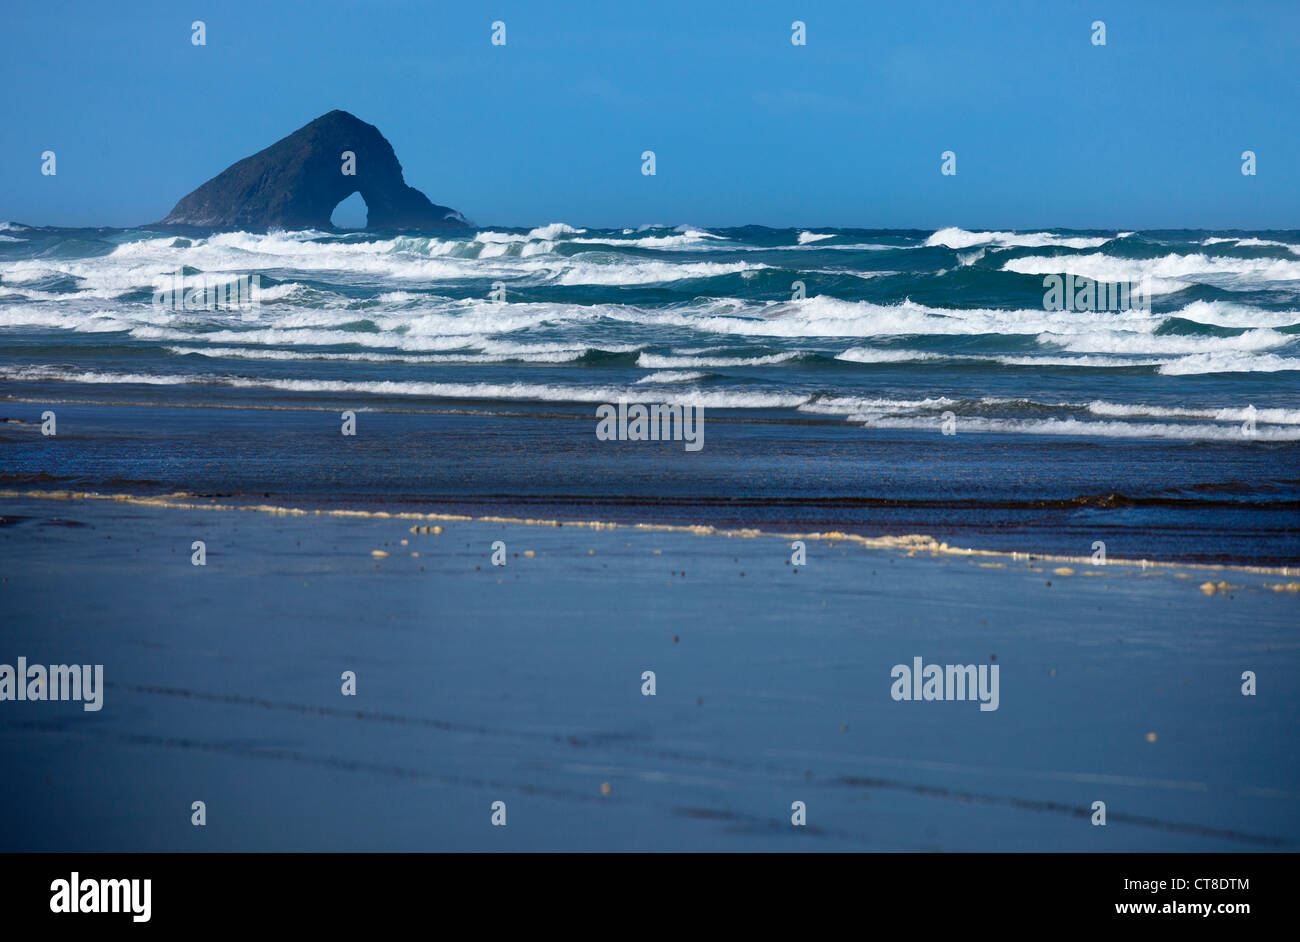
[(909, 544)]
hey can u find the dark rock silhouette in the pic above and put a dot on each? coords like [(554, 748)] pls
[(298, 181)]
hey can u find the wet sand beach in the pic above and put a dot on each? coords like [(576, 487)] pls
[(523, 683)]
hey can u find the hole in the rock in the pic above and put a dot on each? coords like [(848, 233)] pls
[(350, 213)]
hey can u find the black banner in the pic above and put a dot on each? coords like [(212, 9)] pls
[(343, 891)]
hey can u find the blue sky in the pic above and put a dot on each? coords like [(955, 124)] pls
[(1049, 130)]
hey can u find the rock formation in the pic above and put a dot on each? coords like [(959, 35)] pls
[(298, 181)]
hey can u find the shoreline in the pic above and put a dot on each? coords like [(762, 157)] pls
[(1200, 505), (911, 543)]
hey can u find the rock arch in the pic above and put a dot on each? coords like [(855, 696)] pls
[(298, 181)]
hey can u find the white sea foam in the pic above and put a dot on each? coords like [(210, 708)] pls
[(1229, 362), (276, 336), (1089, 429), (955, 238), (1293, 249), (1227, 414), (1169, 273), (1228, 314), (489, 255), (856, 405), (263, 353), (672, 376), (554, 231), (654, 361), (401, 301), (1116, 419), (1091, 362), (622, 273), (1145, 343), (491, 391), (823, 316), (45, 316), (507, 348), (691, 237), (414, 322), (874, 355)]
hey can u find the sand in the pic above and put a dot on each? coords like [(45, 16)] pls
[(523, 684)]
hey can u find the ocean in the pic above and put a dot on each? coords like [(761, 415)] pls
[(861, 381)]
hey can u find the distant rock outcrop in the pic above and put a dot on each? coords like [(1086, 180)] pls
[(298, 181)]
